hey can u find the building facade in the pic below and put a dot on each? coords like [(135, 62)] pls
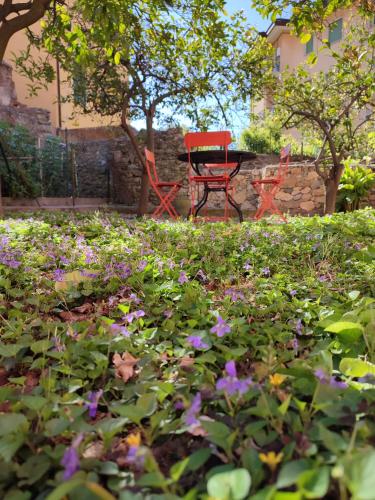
[(64, 115), (289, 52)]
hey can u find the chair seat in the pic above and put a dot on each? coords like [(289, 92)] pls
[(210, 178), (270, 180), (165, 184), (221, 165)]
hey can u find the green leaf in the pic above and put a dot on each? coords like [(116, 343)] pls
[(9, 350), (117, 58), (359, 474), (314, 483), (305, 37), (290, 472), (65, 488), (353, 367), (234, 485), (11, 423), (34, 402), (9, 445), (346, 330)]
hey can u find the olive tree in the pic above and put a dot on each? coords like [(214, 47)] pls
[(153, 60), (337, 106)]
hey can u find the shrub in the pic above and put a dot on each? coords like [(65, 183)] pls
[(31, 171), (356, 182)]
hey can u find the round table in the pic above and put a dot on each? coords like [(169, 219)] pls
[(217, 157)]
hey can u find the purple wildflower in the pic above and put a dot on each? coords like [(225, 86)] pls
[(322, 278), (182, 278), (167, 313), (327, 380), (234, 295), (93, 400), (295, 345), (70, 460), (367, 379), (134, 298), (139, 314), (191, 416), (231, 384), (141, 266), (247, 266), (197, 342), (221, 327), (179, 405), (293, 293), (299, 327), (58, 275), (121, 330), (59, 346), (202, 275), (266, 271)]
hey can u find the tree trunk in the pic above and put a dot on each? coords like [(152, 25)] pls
[(332, 186), (145, 184), (125, 125)]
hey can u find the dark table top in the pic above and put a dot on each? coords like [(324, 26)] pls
[(217, 156)]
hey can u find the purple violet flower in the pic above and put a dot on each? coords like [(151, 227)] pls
[(327, 380), (234, 295), (231, 384), (58, 275), (70, 460), (120, 330), (134, 298), (295, 345), (197, 342), (221, 327), (182, 278), (247, 266), (299, 327), (167, 313), (93, 400), (139, 314), (266, 271), (191, 415), (142, 264), (293, 293)]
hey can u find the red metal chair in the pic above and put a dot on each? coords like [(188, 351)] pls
[(165, 198), (221, 182), (269, 187)]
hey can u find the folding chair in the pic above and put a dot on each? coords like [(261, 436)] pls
[(210, 182), (269, 187), (165, 198)]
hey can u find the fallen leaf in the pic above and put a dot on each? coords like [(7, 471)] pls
[(186, 362), (94, 450), (124, 365), (84, 308), (71, 316)]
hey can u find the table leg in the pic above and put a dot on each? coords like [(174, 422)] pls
[(236, 207), (203, 201)]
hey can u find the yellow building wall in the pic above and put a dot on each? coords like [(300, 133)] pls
[(47, 98)]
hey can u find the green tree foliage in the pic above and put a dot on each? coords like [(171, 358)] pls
[(148, 60), (309, 15), (336, 106)]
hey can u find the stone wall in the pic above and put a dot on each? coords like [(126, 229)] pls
[(37, 120)]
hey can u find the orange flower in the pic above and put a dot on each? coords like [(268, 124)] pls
[(134, 440), (277, 379), (271, 459)]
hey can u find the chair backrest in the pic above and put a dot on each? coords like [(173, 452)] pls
[(151, 168), (284, 162), (199, 139)]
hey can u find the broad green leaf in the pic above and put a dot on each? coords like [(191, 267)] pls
[(353, 367), (346, 330), (314, 483), (305, 37), (11, 423), (291, 471), (233, 485)]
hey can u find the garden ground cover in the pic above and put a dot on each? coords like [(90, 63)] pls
[(171, 360)]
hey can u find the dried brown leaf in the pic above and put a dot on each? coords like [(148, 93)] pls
[(124, 365)]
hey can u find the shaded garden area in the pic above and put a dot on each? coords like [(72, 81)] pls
[(145, 359)]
